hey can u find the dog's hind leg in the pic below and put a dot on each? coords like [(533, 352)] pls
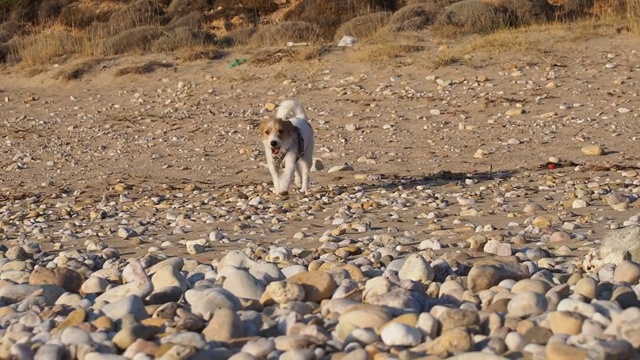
[(298, 179), (304, 166)]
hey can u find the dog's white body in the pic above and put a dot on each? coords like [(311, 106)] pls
[(281, 138)]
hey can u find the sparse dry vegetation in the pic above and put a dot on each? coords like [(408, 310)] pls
[(363, 26), (279, 35), (45, 47), (39, 32), (182, 37), (143, 68), (138, 40), (77, 71)]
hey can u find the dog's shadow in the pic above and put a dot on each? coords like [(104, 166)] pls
[(393, 182)]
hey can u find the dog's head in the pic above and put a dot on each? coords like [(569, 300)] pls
[(276, 134)]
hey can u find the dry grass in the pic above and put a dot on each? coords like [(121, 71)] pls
[(279, 35), (306, 53), (142, 69), (364, 26), (633, 15), (536, 41), (45, 47), (200, 53), (180, 38), (470, 17), (138, 40), (238, 37), (384, 47), (76, 72)]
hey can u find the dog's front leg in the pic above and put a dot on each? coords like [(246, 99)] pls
[(274, 174), (289, 172)]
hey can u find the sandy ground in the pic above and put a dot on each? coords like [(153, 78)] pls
[(195, 124)]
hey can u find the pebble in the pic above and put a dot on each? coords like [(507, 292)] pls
[(398, 334), (592, 150), (527, 303)]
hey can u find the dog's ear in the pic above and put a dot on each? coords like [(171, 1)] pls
[(264, 125), (287, 126)]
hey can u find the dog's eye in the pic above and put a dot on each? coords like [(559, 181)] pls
[(267, 132)]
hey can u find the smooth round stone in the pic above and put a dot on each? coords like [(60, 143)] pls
[(259, 348), (50, 351), (363, 336), (242, 284), (318, 285), (428, 324), (66, 278), (132, 305), (587, 287), (536, 286), (482, 277), (399, 334), (454, 318), (514, 341), (94, 285), (627, 271), (527, 304), (531, 208), (208, 300), (237, 259), (266, 272), (560, 236), (592, 150), (74, 335), (168, 276), (283, 292), (536, 254), (586, 310), (416, 268), (137, 283), (455, 340), (565, 322), (560, 351), (361, 316), (224, 326)]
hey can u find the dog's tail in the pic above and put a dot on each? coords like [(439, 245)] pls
[(290, 107)]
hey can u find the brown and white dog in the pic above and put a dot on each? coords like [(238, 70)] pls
[(288, 139)]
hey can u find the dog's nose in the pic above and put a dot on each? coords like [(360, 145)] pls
[(274, 143)]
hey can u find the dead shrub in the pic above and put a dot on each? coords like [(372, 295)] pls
[(182, 37), (23, 11), (137, 14), (412, 18), (279, 35), (76, 16), (238, 37), (574, 9), (200, 53), (138, 40), (77, 71), (527, 12), (180, 8), (8, 30), (5, 51), (193, 20), (417, 14), (470, 17), (142, 69), (46, 46), (329, 15), (363, 26), (262, 7), (49, 10)]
